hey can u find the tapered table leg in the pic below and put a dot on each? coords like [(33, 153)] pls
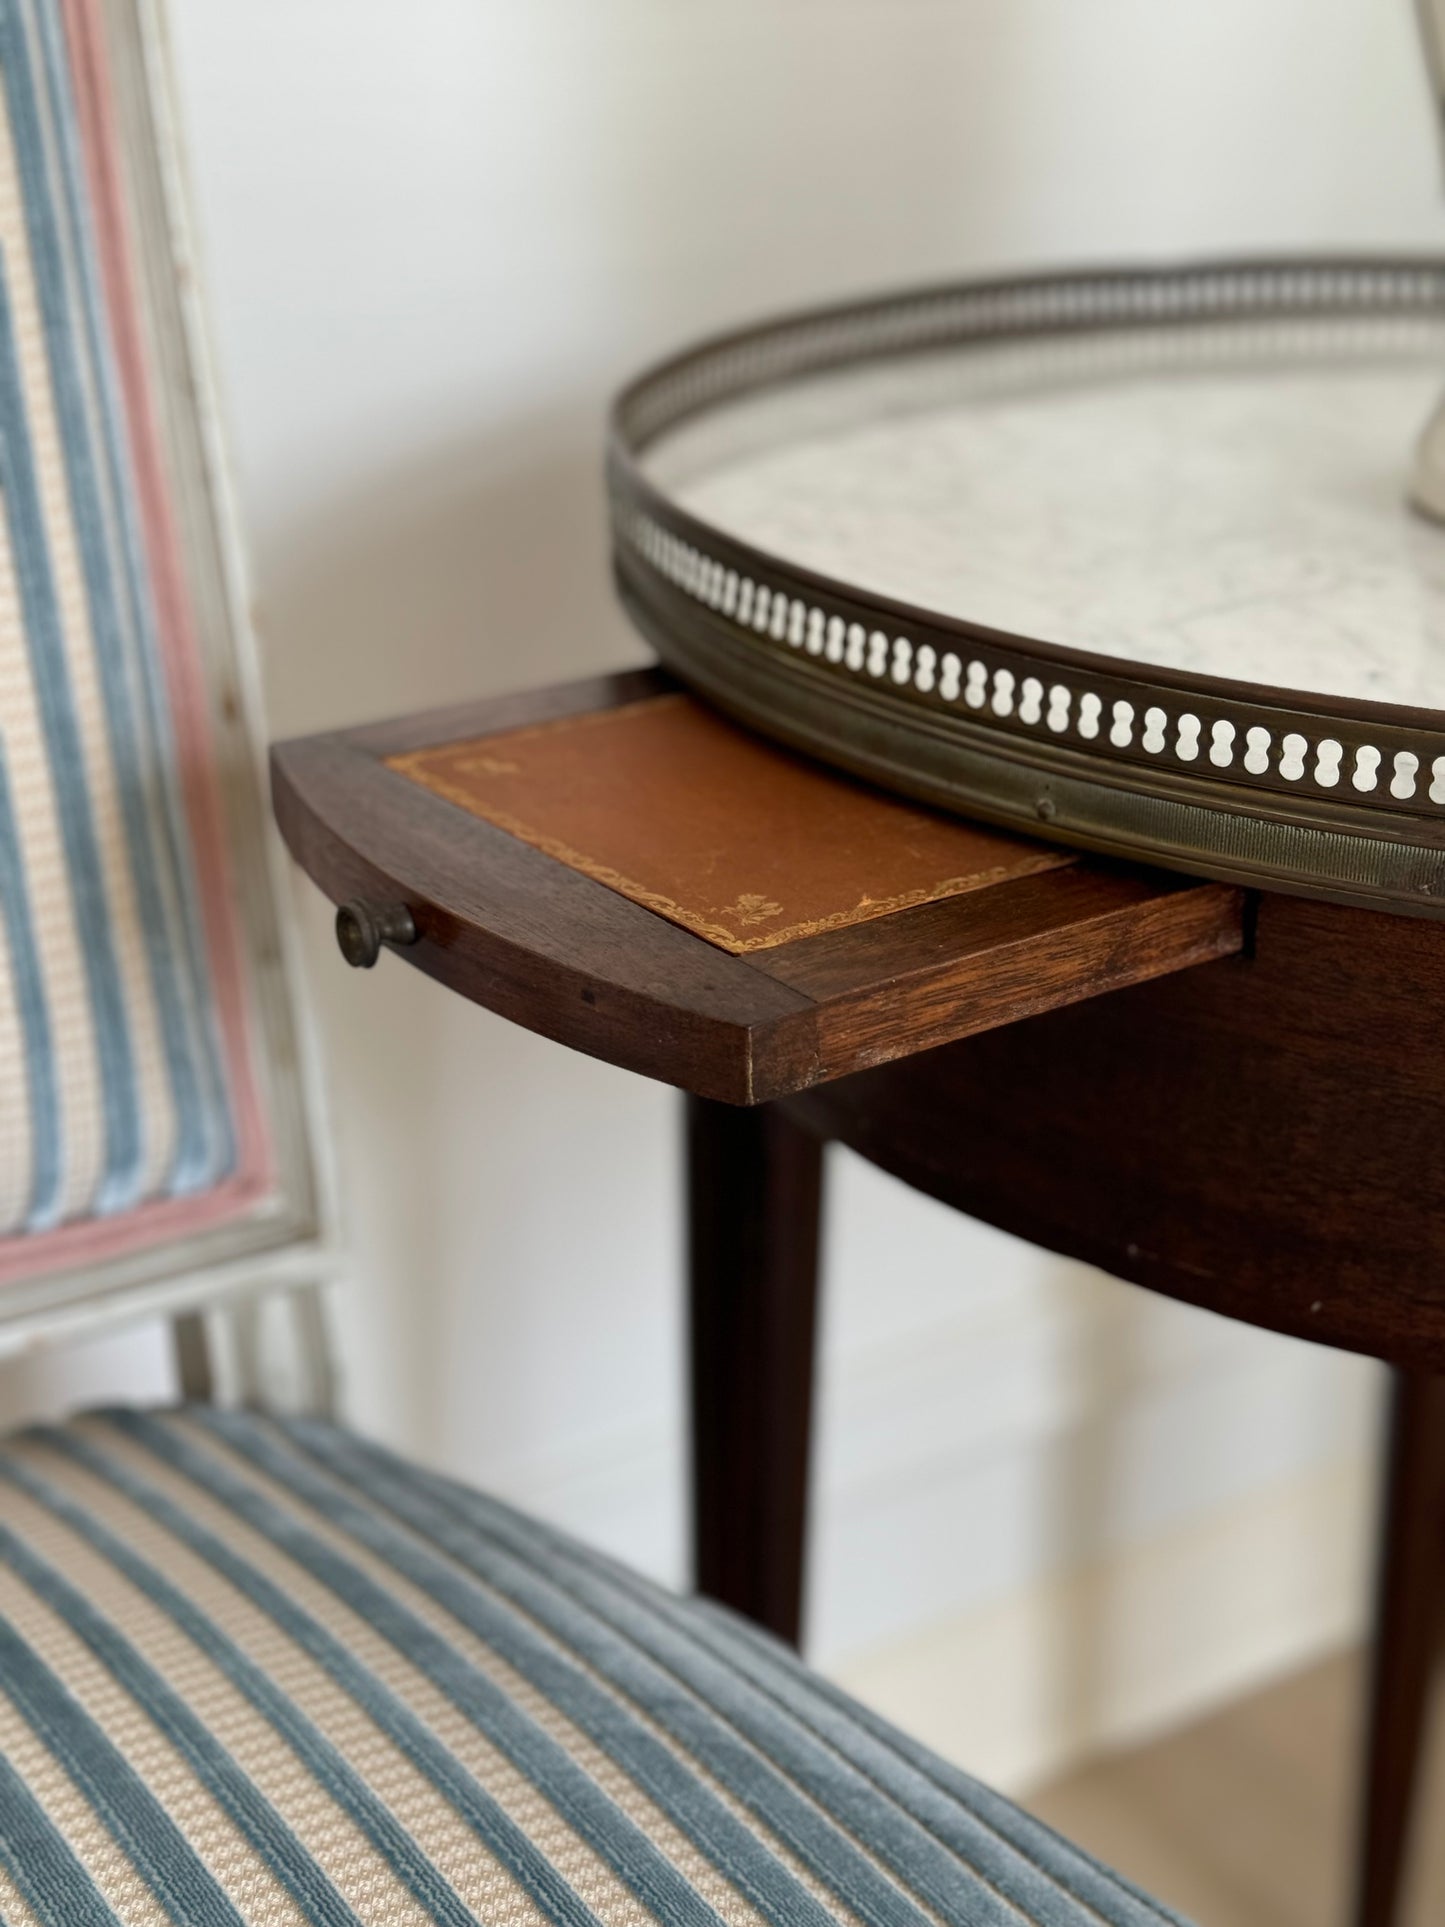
[(1409, 1608), (754, 1196)]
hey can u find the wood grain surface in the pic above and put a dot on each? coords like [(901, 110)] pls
[(1260, 1137), (534, 937)]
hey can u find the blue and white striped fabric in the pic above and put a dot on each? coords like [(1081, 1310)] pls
[(116, 1072), (259, 1671)]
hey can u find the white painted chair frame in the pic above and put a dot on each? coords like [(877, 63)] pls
[(285, 1247)]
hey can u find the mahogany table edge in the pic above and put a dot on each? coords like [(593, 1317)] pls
[(567, 956)]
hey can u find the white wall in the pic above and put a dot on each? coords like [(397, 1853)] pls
[(438, 236)]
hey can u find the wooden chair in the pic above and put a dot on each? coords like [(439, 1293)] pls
[(252, 1668)]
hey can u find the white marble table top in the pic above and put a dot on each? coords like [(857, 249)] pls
[(1227, 500)]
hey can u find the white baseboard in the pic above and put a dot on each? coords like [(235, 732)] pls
[(1155, 1635)]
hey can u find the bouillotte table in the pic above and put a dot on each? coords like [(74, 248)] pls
[(1115, 561)]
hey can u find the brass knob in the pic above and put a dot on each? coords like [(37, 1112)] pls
[(362, 928)]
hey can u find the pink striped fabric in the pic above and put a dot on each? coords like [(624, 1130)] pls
[(128, 1043)]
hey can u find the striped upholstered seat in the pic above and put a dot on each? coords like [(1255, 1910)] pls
[(259, 1671)]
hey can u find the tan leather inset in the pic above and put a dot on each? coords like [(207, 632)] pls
[(713, 828)]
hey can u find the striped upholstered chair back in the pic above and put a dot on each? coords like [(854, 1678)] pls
[(153, 1136)]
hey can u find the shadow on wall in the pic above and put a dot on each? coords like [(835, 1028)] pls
[(497, 1191), (470, 568)]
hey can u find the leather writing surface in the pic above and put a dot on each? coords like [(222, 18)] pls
[(709, 826)]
